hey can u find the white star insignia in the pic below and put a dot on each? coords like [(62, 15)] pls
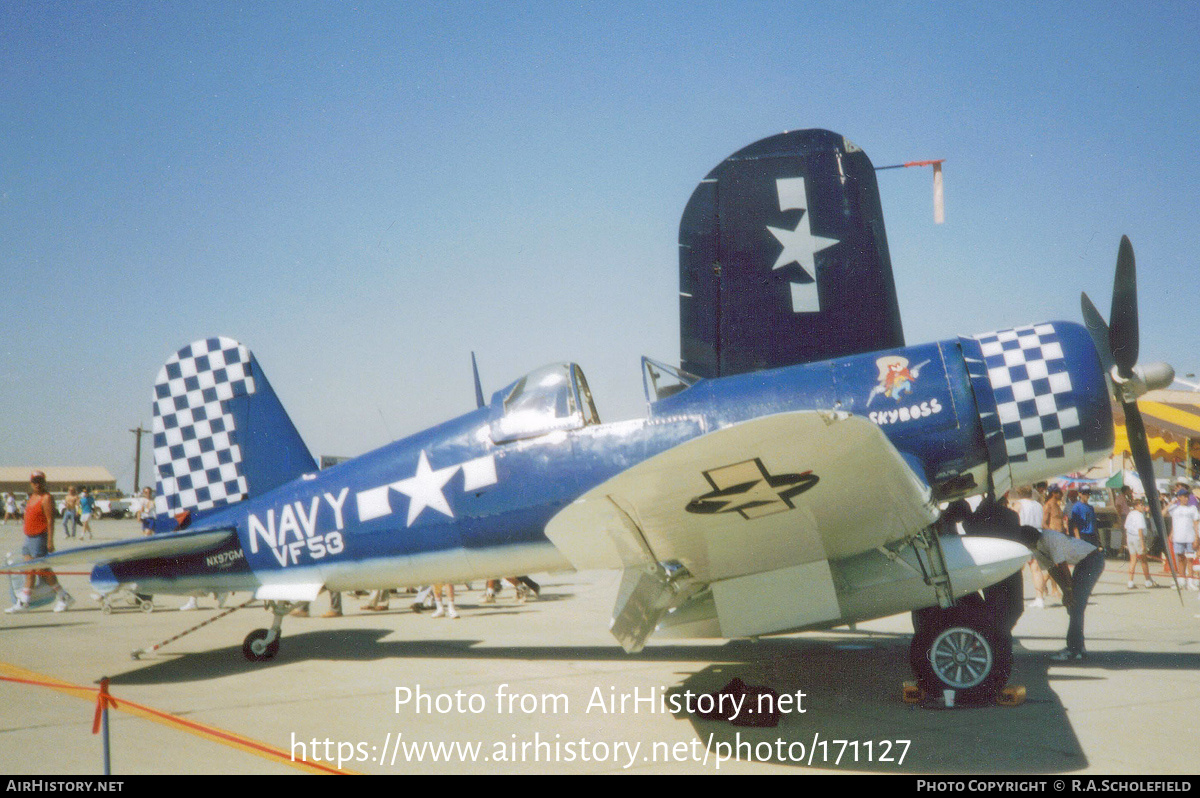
[(424, 489), (800, 246)]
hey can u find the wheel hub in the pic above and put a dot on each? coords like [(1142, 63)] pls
[(961, 657)]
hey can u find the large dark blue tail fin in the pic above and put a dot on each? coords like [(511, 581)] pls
[(220, 433), (783, 259)]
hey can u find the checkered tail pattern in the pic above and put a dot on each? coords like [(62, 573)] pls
[(196, 452)]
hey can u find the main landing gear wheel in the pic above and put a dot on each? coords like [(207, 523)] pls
[(975, 662), (964, 654), (256, 647)]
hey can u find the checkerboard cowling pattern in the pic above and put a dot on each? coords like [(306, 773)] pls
[(1034, 398), (196, 451)]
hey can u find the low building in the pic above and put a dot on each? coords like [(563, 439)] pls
[(15, 479)]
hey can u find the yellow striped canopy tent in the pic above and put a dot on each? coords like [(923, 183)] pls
[(1172, 420)]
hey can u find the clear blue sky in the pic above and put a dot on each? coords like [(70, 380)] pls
[(363, 194)]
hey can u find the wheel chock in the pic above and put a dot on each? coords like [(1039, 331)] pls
[(1011, 696), (912, 694)]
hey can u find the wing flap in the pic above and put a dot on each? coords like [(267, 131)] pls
[(787, 598), (771, 493)]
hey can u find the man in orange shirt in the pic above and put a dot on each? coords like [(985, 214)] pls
[(39, 541)]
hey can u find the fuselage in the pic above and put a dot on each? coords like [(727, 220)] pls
[(471, 498)]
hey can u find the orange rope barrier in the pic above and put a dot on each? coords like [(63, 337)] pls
[(11, 673)]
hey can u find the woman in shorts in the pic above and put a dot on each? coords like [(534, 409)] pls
[(86, 506)]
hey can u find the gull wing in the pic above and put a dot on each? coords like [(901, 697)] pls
[(775, 492)]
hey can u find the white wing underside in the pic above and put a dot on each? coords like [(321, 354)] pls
[(865, 495)]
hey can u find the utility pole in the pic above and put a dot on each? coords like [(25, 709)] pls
[(137, 460)]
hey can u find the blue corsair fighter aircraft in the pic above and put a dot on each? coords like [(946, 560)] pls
[(787, 477)]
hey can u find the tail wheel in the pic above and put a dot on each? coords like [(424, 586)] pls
[(256, 648), (973, 659)]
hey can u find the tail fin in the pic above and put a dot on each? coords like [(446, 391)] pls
[(220, 433), (783, 259)]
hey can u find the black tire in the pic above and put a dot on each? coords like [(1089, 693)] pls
[(967, 610), (963, 654), (254, 649)]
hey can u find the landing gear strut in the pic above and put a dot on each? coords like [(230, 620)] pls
[(962, 650), (263, 644)]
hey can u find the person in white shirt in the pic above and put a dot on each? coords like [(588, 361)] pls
[(1185, 533), (1030, 513), (1055, 552), (1135, 541)]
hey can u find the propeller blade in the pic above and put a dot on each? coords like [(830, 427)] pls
[(1098, 327), (1123, 320), (1117, 345), (1145, 466)]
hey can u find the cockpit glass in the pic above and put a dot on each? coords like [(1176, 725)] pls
[(545, 400), (545, 393)]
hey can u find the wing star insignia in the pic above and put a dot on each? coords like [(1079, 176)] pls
[(747, 488)]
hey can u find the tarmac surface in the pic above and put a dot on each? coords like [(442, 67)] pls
[(530, 688)]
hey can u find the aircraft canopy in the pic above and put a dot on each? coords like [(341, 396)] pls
[(553, 397)]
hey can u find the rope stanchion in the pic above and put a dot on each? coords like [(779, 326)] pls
[(103, 702), (139, 652)]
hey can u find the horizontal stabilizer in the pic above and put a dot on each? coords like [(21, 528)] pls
[(165, 545)]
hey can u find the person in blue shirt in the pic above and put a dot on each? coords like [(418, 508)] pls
[(1081, 519), (87, 505)]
